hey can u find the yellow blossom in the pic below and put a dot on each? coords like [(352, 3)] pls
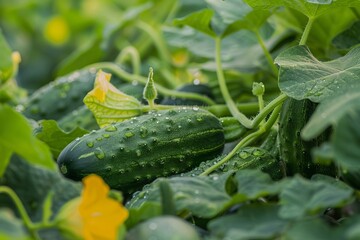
[(56, 30), (93, 216)]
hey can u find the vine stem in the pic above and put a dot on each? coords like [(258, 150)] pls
[(118, 71), (306, 32), (134, 58), (268, 108), (20, 207), (224, 90), (246, 140), (267, 53)]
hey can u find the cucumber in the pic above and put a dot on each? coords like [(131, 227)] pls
[(62, 96), (80, 117), (132, 153), (193, 88), (245, 158), (293, 150)]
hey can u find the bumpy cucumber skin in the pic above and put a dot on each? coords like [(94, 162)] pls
[(245, 158), (134, 152), (294, 151), (61, 96)]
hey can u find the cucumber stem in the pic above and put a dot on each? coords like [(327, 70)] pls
[(224, 90), (306, 32), (268, 108), (246, 140), (121, 73), (267, 53)]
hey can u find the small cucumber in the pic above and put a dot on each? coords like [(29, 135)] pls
[(245, 158), (294, 151), (134, 152)]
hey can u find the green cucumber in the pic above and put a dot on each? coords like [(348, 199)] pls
[(80, 117), (245, 158), (61, 96), (293, 150), (134, 152)]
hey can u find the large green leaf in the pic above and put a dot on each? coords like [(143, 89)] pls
[(11, 227), (346, 140), (252, 21), (313, 229), (200, 21), (50, 133), (303, 76), (203, 196), (253, 184), (230, 10), (6, 64), (348, 38), (302, 197), (16, 136), (313, 8), (253, 221), (329, 112), (239, 51)]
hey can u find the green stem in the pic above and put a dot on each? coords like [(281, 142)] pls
[(20, 207), (157, 40), (243, 143), (246, 140), (306, 32), (224, 90), (121, 73), (267, 53), (267, 109), (134, 55)]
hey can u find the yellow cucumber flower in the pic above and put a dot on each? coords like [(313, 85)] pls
[(94, 215)]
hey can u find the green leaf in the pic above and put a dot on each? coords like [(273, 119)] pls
[(6, 63), (146, 211), (252, 221), (346, 140), (11, 227), (16, 136), (310, 8), (108, 104), (302, 76), (252, 21), (348, 38), (230, 10), (329, 112), (5, 154), (313, 229), (302, 197), (204, 197), (253, 184), (200, 20), (50, 133), (240, 50)]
